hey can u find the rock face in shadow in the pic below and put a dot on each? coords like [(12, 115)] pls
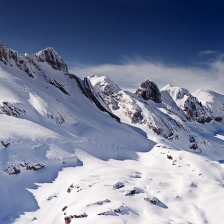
[(189, 104), (50, 56), (149, 91), (13, 58), (213, 102)]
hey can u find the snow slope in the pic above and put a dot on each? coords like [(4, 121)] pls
[(86, 151)]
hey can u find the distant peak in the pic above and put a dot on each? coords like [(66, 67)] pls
[(167, 87)]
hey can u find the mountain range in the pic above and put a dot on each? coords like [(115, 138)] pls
[(86, 151)]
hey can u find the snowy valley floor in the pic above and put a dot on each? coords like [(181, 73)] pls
[(162, 186)]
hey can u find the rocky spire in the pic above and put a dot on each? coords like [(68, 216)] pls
[(149, 91)]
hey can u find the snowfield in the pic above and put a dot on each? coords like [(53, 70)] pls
[(86, 151)]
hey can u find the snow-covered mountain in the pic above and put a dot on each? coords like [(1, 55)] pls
[(86, 151)]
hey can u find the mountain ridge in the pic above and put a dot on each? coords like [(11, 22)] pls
[(90, 152)]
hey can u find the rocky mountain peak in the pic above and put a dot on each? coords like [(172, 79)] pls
[(149, 91), (28, 63), (50, 56), (7, 54), (188, 103)]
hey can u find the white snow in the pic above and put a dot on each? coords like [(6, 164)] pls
[(102, 170)]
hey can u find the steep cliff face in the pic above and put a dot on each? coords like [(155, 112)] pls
[(50, 56), (149, 91), (14, 59)]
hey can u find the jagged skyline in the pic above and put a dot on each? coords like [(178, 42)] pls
[(87, 151), (168, 42), (97, 32)]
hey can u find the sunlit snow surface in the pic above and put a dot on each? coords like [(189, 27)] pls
[(102, 170), (220, 136)]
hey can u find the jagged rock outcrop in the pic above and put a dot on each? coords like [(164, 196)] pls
[(212, 101), (11, 109), (94, 97), (193, 109), (50, 56), (149, 91), (134, 109), (23, 62), (29, 63)]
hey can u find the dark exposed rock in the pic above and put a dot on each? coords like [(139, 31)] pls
[(194, 109), (218, 119), (80, 83), (34, 167), (56, 84), (50, 56), (117, 210), (9, 56), (133, 192), (67, 220), (135, 114), (12, 170), (213, 102), (70, 188), (29, 63), (79, 216), (5, 144), (64, 208), (114, 98), (11, 109), (149, 91), (28, 72), (191, 139), (169, 157), (118, 185), (208, 119), (102, 213), (152, 200), (16, 168), (194, 146), (86, 89), (92, 96)]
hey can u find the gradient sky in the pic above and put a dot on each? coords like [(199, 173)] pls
[(96, 32)]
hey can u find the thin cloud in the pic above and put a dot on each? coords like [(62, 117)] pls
[(131, 74), (207, 52)]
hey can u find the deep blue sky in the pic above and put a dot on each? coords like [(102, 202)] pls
[(102, 31)]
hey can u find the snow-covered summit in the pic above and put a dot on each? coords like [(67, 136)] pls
[(188, 103), (212, 101)]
